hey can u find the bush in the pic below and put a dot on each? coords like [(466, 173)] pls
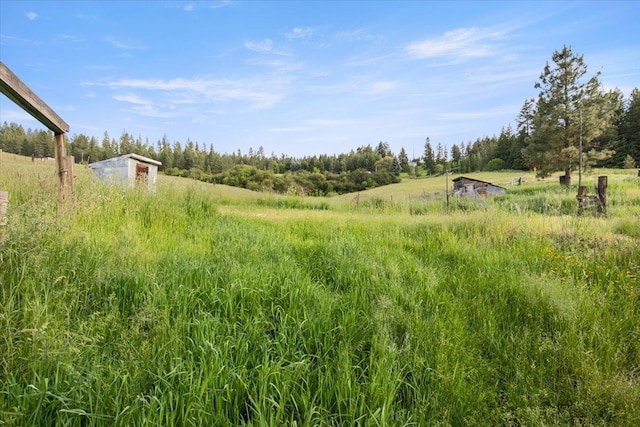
[(494, 165)]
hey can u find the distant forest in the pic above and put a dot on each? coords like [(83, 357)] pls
[(362, 168)]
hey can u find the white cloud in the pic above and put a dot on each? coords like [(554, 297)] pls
[(264, 46), (11, 115), (220, 3), (354, 35), (257, 93), (277, 64), (458, 44), (299, 33), (71, 38), (31, 15), (17, 41), (381, 87), (124, 45), (194, 5), (132, 99)]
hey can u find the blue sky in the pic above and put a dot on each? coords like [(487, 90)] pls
[(301, 77)]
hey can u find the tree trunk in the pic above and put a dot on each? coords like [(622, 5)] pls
[(567, 176)]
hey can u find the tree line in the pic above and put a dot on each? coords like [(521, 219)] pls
[(568, 112)]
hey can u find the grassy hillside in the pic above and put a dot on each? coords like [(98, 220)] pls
[(210, 305)]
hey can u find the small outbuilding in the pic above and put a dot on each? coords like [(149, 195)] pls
[(465, 187), (129, 170)]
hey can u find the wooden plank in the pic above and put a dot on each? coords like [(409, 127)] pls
[(18, 92)]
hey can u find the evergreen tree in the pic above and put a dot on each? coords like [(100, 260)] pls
[(395, 166), (429, 157), (383, 149), (12, 137), (567, 109), (630, 128), (108, 150), (403, 158), (456, 153)]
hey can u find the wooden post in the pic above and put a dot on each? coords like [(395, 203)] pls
[(15, 89), (582, 197), (4, 203), (61, 165), (602, 194)]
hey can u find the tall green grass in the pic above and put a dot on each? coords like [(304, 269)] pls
[(177, 308)]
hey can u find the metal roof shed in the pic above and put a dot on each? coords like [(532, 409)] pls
[(129, 170), (464, 186)]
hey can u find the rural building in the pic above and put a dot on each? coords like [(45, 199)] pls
[(464, 187), (129, 170)]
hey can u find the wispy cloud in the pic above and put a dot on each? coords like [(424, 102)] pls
[(132, 99), (11, 115), (123, 44), (264, 46), (193, 5), (17, 41), (277, 64), (354, 35), (258, 94), (458, 44), (145, 107), (71, 38), (31, 15), (380, 87), (299, 33), (220, 3), (355, 86)]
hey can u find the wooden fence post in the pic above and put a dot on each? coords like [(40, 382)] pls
[(582, 198), (602, 194), (65, 169)]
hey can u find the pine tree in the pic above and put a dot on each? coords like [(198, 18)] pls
[(403, 158), (630, 127), (567, 109), (429, 157)]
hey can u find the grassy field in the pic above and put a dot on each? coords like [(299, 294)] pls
[(210, 305)]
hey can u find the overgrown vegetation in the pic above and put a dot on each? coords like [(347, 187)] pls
[(207, 305)]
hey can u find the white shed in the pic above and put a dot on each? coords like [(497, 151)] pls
[(129, 170)]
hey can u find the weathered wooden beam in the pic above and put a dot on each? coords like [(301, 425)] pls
[(19, 93)]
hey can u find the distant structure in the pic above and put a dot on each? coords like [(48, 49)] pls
[(469, 187), (129, 170)]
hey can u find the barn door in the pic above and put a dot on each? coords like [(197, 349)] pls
[(142, 174)]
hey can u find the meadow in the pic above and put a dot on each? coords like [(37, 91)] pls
[(210, 305)]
